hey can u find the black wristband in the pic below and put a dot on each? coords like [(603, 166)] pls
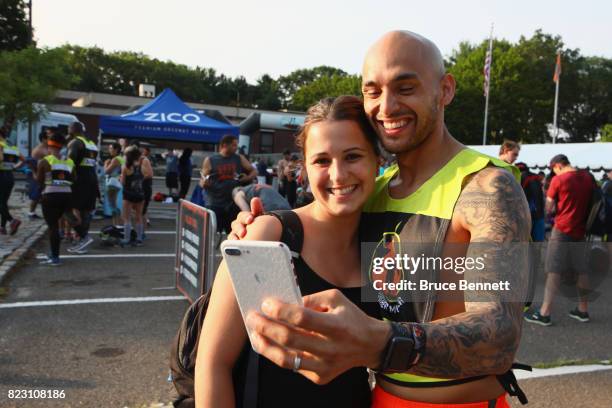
[(398, 354), (419, 335)]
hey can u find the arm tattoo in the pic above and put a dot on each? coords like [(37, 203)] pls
[(483, 339)]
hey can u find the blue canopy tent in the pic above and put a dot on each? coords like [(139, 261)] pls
[(167, 118)]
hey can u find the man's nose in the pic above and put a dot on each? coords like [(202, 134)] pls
[(388, 104)]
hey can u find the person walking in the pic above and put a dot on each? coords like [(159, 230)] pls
[(84, 154), (55, 176), (185, 169), (10, 159), (569, 195), (133, 195), (38, 153)]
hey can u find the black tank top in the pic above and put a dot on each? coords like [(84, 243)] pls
[(279, 387), (133, 182)]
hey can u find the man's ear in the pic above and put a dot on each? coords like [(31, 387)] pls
[(447, 88)]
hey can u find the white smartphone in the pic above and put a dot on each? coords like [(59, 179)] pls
[(260, 269)]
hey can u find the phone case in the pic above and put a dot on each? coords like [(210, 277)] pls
[(263, 269)]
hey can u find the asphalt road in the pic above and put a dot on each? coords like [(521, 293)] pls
[(100, 354), (116, 354)]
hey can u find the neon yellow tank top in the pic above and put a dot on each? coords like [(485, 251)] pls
[(424, 217)]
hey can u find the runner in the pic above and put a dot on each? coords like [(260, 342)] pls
[(34, 189), (55, 176), (10, 159), (83, 153), (133, 195), (568, 196), (441, 194)]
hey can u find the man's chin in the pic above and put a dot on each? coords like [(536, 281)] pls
[(396, 146)]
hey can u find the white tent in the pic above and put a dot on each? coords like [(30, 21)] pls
[(593, 156)]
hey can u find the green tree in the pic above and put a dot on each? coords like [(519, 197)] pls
[(323, 87), (267, 93), (586, 104), (521, 91), (14, 25), (290, 84), (606, 133), (28, 78)]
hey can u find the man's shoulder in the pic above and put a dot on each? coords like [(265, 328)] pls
[(491, 179)]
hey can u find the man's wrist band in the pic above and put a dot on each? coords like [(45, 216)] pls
[(404, 349)]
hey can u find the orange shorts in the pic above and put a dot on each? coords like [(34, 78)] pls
[(382, 399)]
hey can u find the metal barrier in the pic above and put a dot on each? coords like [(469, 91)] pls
[(195, 249)]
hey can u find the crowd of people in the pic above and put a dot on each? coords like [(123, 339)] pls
[(561, 203), (437, 192), (67, 179)]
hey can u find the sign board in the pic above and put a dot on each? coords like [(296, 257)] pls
[(195, 231)]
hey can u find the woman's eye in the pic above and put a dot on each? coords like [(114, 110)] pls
[(353, 156), (321, 161), (406, 89)]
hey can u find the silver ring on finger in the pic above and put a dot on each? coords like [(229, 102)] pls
[(297, 362)]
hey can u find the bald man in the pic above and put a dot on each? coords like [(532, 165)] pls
[(438, 344)]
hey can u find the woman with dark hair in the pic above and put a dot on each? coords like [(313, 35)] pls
[(133, 195), (341, 158), (185, 168)]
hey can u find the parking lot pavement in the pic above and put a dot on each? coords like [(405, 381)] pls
[(98, 327), (103, 334)]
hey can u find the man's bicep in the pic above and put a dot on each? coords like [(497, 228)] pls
[(246, 165), (496, 214), (74, 151), (553, 189), (206, 167)]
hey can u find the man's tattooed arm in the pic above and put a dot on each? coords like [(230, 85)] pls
[(483, 340)]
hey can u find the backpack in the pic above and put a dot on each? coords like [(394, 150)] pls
[(599, 220), (184, 348)]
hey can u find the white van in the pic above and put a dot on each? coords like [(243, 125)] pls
[(19, 133)]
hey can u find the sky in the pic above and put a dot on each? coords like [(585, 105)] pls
[(252, 38)]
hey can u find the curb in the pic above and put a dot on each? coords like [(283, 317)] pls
[(9, 262)]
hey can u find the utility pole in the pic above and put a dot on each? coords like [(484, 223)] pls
[(31, 43), (487, 81), (556, 79)]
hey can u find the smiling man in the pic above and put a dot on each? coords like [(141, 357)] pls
[(430, 347)]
